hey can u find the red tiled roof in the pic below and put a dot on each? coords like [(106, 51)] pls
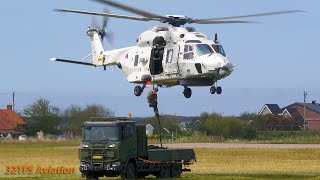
[(9, 119)]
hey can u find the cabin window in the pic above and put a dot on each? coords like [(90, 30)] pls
[(191, 29), (219, 49), (129, 131), (186, 48), (169, 56), (136, 60), (200, 36), (188, 52), (203, 49), (162, 29)]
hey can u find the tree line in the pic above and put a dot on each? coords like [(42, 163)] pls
[(42, 115)]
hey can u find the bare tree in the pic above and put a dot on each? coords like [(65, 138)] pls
[(44, 116), (76, 115)]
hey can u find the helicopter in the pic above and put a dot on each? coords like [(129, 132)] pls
[(165, 56)]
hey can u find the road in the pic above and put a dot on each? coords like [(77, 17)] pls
[(233, 145)]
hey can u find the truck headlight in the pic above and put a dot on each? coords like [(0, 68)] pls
[(116, 164), (84, 145), (112, 146)]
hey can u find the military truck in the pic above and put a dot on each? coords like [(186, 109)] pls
[(118, 147)]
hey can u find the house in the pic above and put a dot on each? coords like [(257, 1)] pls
[(286, 112), (149, 129), (312, 114), (273, 109), (9, 121), (296, 111)]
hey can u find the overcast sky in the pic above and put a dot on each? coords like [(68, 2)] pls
[(276, 59)]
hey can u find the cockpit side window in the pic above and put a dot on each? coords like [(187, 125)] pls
[(188, 52), (186, 48), (203, 49), (219, 49)]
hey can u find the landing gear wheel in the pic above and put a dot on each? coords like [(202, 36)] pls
[(187, 92), (138, 90), (176, 170), (131, 171), (213, 90), (219, 90), (164, 172)]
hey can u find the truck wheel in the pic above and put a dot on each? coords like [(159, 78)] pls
[(141, 175), (131, 171), (164, 172), (91, 177), (176, 170)]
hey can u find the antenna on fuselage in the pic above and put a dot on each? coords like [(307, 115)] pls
[(216, 38)]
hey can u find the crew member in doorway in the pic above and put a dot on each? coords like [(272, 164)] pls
[(153, 100)]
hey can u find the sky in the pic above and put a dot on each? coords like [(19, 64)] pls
[(277, 59)]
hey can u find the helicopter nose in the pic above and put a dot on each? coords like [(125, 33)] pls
[(229, 65), (218, 65), (226, 67), (223, 62)]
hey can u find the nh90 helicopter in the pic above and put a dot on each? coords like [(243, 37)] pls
[(165, 56)]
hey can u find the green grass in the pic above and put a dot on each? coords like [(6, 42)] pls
[(289, 137), (211, 163), (263, 137)]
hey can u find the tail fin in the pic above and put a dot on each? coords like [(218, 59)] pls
[(96, 46)]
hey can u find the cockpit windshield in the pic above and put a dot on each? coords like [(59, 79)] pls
[(203, 49), (219, 49), (100, 133)]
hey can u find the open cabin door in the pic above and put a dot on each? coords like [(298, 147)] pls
[(170, 59)]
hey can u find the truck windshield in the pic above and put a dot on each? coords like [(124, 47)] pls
[(100, 133), (219, 49), (203, 49)]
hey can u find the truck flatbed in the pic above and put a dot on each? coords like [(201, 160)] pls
[(164, 155)]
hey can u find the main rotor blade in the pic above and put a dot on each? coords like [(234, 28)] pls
[(220, 22), (94, 23), (106, 14), (105, 19), (130, 9), (254, 15)]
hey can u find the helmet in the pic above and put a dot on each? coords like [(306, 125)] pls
[(156, 89)]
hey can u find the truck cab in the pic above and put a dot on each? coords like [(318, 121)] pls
[(118, 147)]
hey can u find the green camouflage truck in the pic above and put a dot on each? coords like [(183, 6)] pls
[(118, 147)]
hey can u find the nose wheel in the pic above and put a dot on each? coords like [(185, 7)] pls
[(215, 89), (187, 92)]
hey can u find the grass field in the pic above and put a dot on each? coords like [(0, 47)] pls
[(212, 163), (263, 137)]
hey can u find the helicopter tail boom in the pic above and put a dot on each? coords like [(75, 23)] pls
[(96, 46)]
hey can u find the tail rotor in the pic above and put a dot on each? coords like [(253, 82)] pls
[(109, 36)]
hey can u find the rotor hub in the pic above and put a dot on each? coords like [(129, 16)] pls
[(176, 20)]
